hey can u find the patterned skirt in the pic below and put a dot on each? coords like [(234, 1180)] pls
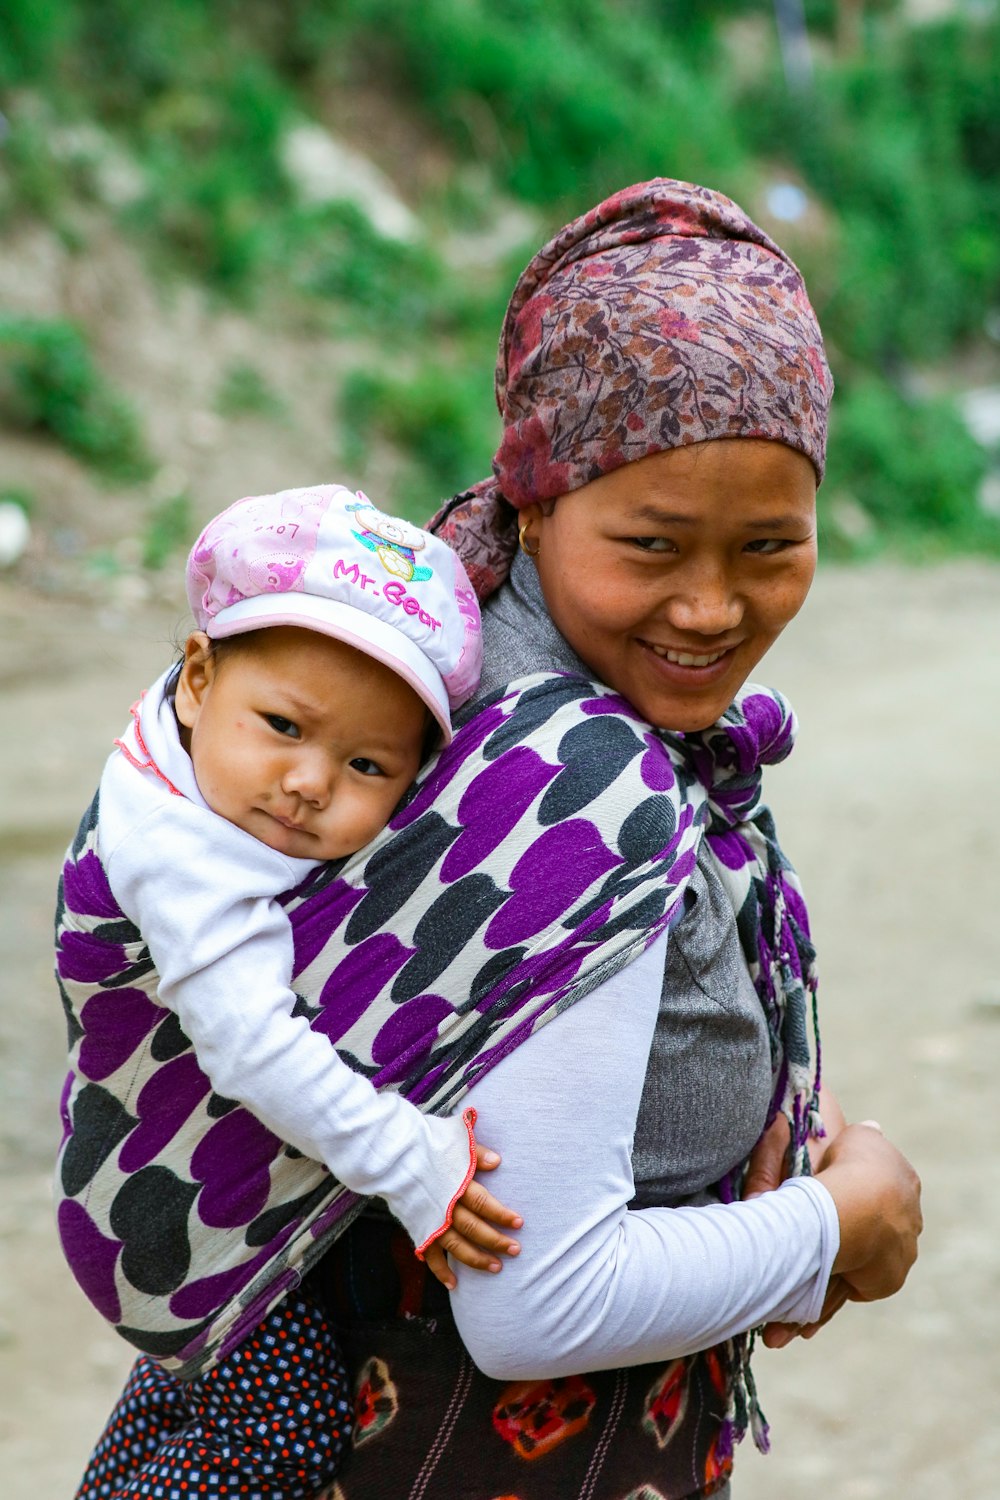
[(430, 1426)]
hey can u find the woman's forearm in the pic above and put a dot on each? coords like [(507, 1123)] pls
[(595, 1285)]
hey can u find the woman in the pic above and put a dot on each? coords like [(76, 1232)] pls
[(606, 866), (650, 526)]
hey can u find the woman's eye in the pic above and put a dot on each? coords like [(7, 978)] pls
[(653, 543), (366, 767), (282, 725), (766, 546)]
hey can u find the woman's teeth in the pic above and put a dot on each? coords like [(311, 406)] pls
[(685, 658)]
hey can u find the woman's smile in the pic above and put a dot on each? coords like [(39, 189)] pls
[(688, 658), (685, 658), (688, 668)]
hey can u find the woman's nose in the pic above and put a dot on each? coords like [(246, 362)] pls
[(311, 777), (704, 602)]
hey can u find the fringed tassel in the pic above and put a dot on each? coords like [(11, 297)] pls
[(814, 1120), (743, 1410), (758, 1422), (816, 1127), (784, 973), (726, 1444)]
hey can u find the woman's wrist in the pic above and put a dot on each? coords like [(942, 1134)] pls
[(877, 1196)]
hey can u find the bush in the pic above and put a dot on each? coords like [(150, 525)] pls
[(33, 36), (216, 182), (333, 253), (169, 528), (902, 145), (245, 391), (33, 179), (440, 417), (48, 381), (911, 465), (561, 98)]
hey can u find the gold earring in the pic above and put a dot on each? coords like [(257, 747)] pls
[(522, 532)]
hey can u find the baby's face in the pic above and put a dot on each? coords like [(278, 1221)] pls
[(299, 739)]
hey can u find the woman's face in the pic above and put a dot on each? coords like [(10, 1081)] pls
[(671, 576)]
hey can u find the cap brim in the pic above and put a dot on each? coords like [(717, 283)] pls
[(355, 627)]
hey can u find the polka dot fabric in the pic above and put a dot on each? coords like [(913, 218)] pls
[(273, 1419)]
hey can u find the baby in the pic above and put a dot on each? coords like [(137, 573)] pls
[(333, 644)]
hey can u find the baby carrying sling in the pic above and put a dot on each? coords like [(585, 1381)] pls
[(536, 855)]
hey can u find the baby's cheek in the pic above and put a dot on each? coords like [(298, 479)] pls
[(353, 826), (379, 806), (376, 815)]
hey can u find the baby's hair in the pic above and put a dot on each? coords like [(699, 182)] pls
[(230, 645)]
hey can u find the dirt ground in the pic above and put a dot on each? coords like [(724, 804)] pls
[(886, 807)]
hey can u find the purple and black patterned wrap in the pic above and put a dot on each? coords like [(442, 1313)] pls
[(523, 870)]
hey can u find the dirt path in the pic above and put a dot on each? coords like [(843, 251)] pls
[(887, 808)]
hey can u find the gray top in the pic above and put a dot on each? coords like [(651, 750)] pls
[(708, 1081)]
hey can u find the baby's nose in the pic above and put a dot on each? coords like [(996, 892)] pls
[(312, 777)]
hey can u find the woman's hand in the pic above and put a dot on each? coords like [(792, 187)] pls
[(877, 1196), (768, 1166), (472, 1237), (767, 1170)]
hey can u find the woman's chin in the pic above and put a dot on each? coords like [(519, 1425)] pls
[(683, 699)]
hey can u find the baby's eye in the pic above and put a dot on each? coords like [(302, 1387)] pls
[(282, 725), (366, 767), (653, 543)]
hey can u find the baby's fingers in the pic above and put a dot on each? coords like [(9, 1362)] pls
[(479, 1232), (437, 1263), (463, 1249), (436, 1258), (482, 1204)]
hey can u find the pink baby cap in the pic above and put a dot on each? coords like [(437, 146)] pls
[(327, 559)]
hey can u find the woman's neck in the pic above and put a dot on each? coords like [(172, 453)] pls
[(519, 637)]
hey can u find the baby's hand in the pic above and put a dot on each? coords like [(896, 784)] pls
[(472, 1237)]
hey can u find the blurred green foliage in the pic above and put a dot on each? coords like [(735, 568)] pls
[(911, 466), (440, 416), (387, 287), (245, 391), (49, 382), (169, 528), (559, 97), (555, 103), (902, 144)]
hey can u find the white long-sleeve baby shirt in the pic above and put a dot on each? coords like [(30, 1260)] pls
[(202, 892)]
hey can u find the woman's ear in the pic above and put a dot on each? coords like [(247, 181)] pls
[(196, 674), (530, 513), (529, 519)]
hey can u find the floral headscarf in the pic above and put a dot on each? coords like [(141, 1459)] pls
[(664, 316)]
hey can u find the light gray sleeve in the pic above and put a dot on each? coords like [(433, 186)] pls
[(597, 1285)]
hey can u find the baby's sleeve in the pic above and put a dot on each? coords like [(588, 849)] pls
[(202, 893)]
